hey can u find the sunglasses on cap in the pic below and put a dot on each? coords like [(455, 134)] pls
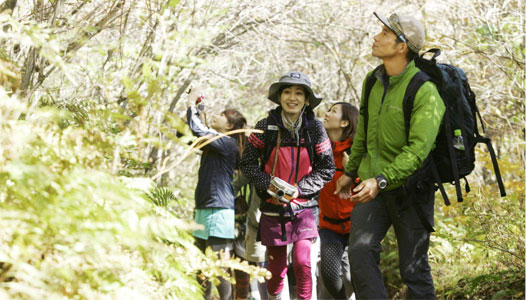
[(394, 21)]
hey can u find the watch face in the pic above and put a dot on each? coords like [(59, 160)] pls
[(382, 184)]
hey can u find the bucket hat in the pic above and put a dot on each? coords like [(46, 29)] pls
[(293, 78), (407, 29)]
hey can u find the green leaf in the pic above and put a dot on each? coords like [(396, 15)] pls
[(173, 3), (128, 83)]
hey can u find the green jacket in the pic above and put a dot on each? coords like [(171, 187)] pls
[(389, 151)]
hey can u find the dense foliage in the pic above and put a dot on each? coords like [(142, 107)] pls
[(97, 172)]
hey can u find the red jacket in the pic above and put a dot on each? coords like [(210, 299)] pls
[(333, 208)]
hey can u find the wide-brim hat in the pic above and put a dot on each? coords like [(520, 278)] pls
[(293, 78)]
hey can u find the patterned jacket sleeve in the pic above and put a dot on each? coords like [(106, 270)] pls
[(323, 166), (250, 161), (222, 145)]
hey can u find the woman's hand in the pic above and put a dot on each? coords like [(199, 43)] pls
[(345, 159), (343, 187), (276, 201)]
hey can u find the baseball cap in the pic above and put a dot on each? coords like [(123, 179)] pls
[(407, 28)]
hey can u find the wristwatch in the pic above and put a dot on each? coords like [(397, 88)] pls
[(381, 181)]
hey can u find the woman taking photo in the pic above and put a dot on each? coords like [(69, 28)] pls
[(214, 194)]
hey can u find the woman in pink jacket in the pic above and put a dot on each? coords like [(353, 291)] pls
[(293, 149)]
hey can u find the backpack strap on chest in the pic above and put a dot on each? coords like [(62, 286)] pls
[(274, 163), (270, 137), (309, 144), (364, 108)]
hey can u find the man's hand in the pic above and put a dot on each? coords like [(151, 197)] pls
[(343, 187), (365, 191)]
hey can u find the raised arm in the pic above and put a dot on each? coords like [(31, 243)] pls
[(222, 145)]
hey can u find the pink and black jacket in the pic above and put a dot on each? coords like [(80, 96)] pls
[(310, 170)]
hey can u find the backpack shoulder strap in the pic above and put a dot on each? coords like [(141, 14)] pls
[(270, 138), (487, 141), (364, 109), (310, 144), (409, 97), (275, 162)]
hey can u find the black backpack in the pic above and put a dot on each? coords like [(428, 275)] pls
[(444, 163)]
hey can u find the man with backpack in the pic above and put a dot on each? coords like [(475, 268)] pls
[(384, 154)]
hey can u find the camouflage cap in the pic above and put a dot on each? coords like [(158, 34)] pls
[(407, 28)]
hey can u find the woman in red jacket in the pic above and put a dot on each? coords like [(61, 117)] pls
[(334, 226)]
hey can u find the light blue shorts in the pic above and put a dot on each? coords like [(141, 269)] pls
[(218, 222)]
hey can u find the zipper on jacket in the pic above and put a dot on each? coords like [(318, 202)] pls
[(295, 166), (292, 158), (385, 82)]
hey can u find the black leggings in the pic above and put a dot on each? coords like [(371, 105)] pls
[(331, 268), (224, 287)]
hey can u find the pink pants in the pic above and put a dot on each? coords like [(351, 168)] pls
[(277, 265)]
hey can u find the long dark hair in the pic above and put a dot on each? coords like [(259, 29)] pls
[(349, 113), (238, 121)]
